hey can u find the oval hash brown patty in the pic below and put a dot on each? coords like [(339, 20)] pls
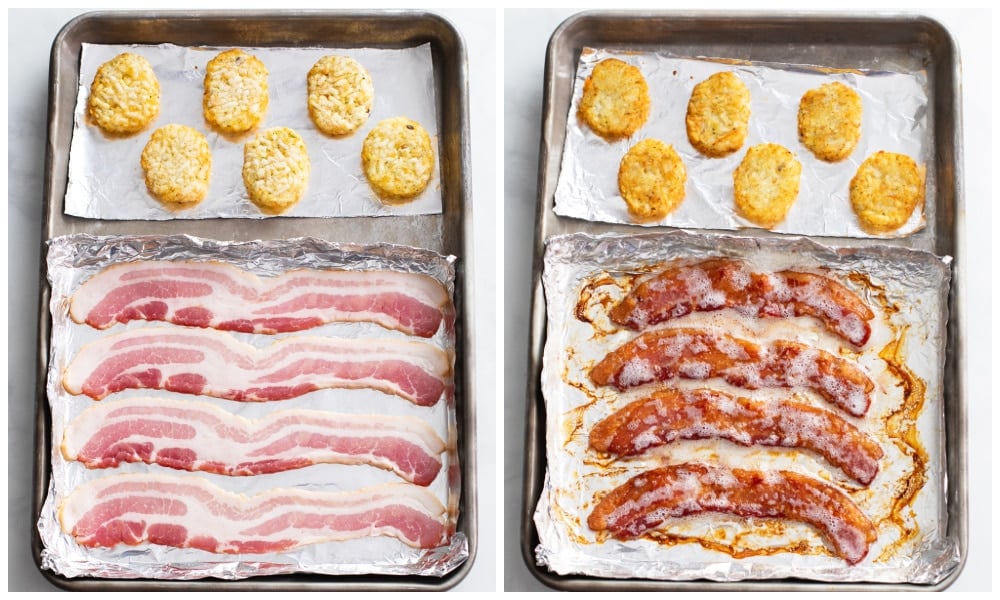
[(125, 95), (766, 184), (718, 114), (615, 102), (276, 169), (652, 180), (341, 94), (398, 159), (236, 95), (885, 191), (176, 164), (830, 121)]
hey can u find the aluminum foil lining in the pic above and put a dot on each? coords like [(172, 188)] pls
[(106, 179), (895, 119), (907, 289), (74, 258)]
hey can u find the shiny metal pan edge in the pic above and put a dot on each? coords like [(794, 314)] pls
[(910, 42), (446, 233)]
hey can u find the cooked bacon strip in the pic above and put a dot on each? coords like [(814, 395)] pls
[(189, 512), (204, 361), (721, 283), (646, 500), (221, 296), (669, 415), (699, 354), (196, 436)]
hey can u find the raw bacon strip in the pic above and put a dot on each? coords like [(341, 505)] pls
[(669, 415), (646, 500), (221, 296), (699, 354), (197, 361), (197, 436), (720, 283), (189, 512)]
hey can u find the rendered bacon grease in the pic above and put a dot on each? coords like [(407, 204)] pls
[(222, 296), (196, 436), (649, 498), (189, 512)]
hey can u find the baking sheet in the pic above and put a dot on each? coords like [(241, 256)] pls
[(445, 232), (73, 259), (585, 275), (894, 118), (106, 179), (905, 43)]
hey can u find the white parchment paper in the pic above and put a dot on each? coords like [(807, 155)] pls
[(894, 119), (106, 179), (914, 549)]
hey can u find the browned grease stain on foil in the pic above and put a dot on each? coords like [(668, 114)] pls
[(901, 427), (592, 298)]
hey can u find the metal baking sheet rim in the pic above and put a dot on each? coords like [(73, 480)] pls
[(56, 223), (546, 220)]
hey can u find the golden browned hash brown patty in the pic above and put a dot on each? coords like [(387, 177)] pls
[(125, 95), (615, 101), (341, 93), (718, 114), (176, 164), (398, 159), (830, 121), (652, 180), (885, 191), (766, 184), (276, 169), (235, 97)]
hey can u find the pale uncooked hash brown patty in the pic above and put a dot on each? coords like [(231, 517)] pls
[(615, 102), (125, 95), (340, 96), (176, 165), (276, 169), (718, 115), (398, 159), (830, 121), (652, 180), (235, 94), (885, 191), (766, 184)]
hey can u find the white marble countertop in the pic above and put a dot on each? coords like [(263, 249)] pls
[(31, 33), (526, 34)]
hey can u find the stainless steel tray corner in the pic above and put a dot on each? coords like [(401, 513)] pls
[(902, 41), (446, 233)]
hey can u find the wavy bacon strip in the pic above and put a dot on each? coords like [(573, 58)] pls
[(720, 283), (669, 415), (221, 296), (189, 512), (196, 436), (700, 354), (213, 363), (648, 499)]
